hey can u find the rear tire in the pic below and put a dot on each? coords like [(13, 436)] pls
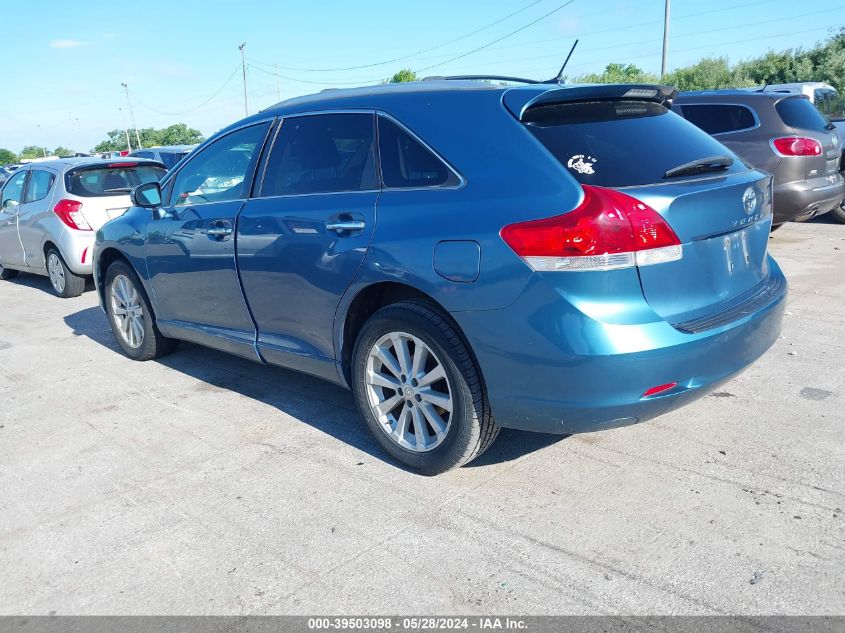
[(418, 389), (64, 281), (7, 273), (838, 213), (131, 316)]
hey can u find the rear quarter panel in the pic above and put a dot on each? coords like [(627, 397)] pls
[(126, 236)]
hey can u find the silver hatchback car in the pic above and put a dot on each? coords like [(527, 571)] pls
[(50, 212)]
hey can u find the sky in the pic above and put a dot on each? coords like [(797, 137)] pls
[(65, 61)]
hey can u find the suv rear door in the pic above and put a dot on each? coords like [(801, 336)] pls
[(805, 121), (722, 218)]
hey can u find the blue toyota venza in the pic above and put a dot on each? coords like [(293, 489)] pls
[(464, 256)]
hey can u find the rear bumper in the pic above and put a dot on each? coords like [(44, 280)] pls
[(552, 368), (77, 249), (804, 199)]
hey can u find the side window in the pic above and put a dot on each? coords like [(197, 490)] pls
[(718, 118), (143, 154), (322, 153), (222, 171), (13, 191), (407, 163), (39, 185)]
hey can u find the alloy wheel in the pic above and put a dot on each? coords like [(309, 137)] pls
[(127, 311), (57, 272), (409, 392)]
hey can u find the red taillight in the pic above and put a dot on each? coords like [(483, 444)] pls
[(659, 389), (69, 213), (609, 229), (126, 164), (797, 146)]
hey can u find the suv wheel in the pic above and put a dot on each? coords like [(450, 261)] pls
[(7, 273), (418, 389), (131, 317), (64, 281), (838, 213)]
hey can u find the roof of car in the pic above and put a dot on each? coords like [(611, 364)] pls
[(731, 93), (76, 161), (165, 148)]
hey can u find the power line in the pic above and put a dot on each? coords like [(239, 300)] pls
[(404, 57), (194, 109), (497, 40), (317, 83)]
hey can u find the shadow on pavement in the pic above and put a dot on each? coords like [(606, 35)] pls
[(42, 283), (299, 395)]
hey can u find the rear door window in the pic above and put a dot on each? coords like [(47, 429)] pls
[(719, 118), (799, 113), (621, 143), (39, 185), (407, 163), (323, 153), (110, 180)]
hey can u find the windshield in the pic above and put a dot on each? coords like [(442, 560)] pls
[(110, 180), (622, 143)]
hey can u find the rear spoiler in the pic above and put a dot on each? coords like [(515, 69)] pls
[(519, 100)]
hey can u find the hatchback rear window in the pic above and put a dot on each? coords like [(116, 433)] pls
[(621, 143), (92, 182), (798, 112), (171, 158)]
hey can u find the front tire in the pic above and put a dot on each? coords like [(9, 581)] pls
[(418, 389), (131, 316), (65, 282), (7, 273)]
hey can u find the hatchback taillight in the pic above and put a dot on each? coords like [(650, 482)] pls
[(608, 230), (69, 213), (797, 146)]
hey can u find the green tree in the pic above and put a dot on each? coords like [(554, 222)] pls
[(617, 74), (177, 134), (32, 151), (404, 75), (63, 151), (711, 73), (7, 156)]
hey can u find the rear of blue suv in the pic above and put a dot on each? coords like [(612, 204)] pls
[(463, 256)]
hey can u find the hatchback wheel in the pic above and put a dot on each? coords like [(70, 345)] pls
[(418, 389), (64, 281), (131, 317), (7, 273)]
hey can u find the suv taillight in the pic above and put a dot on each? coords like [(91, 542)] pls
[(608, 230), (797, 146), (69, 213)]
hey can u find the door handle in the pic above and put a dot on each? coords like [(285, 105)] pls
[(343, 226), (219, 230)]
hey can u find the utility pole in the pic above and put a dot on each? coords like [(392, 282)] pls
[(131, 114), (278, 89), (664, 64), (243, 66), (125, 129)]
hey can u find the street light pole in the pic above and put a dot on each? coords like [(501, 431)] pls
[(243, 67), (131, 114), (665, 61), (125, 129)]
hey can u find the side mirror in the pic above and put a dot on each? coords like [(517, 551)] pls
[(10, 206), (146, 196)]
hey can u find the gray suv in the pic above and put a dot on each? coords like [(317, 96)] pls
[(784, 135)]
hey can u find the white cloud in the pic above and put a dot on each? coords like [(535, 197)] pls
[(66, 43)]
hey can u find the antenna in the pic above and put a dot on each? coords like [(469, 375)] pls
[(557, 79)]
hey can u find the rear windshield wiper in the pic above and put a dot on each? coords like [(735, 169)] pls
[(700, 166)]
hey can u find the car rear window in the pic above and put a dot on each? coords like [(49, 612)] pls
[(719, 118), (92, 182), (798, 112), (621, 143)]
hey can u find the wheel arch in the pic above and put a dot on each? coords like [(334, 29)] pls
[(367, 302), (105, 259)]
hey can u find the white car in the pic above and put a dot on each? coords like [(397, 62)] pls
[(50, 212)]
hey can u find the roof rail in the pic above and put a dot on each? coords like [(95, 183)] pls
[(521, 80)]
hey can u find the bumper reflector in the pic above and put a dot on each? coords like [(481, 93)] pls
[(659, 389)]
